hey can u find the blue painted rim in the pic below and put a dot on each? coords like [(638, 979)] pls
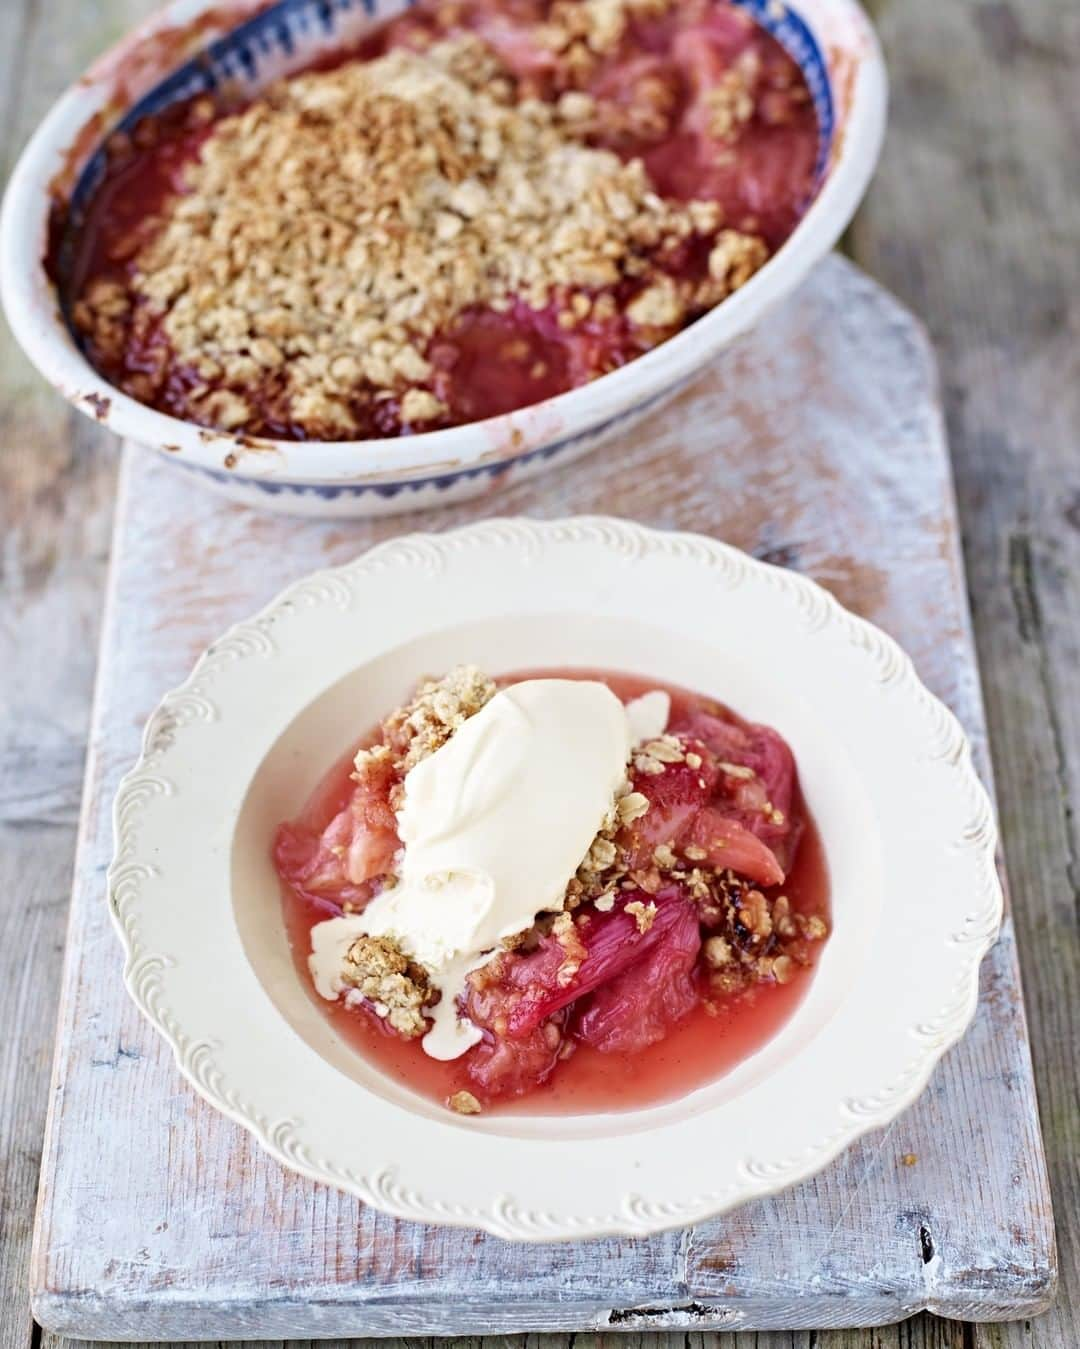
[(288, 26)]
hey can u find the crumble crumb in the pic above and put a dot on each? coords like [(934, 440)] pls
[(397, 987), (658, 306), (464, 1102), (730, 102), (783, 969), (643, 914), (647, 765), (753, 913), (574, 949), (418, 405), (734, 259), (602, 854), (717, 952), (737, 770), (632, 807), (664, 857)]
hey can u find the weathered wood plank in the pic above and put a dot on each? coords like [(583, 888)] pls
[(825, 454), (56, 488), (973, 84), (925, 1332), (974, 221)]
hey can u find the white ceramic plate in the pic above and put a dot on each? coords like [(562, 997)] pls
[(907, 828)]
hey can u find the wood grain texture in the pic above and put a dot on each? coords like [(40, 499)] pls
[(975, 220), (57, 477), (818, 444), (975, 201)]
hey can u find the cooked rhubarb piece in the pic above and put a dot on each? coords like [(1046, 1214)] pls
[(639, 963), (597, 949), (356, 847), (637, 1008), (756, 782), (504, 1065)]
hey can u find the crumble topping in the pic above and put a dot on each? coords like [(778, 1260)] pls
[(334, 226), (419, 727), (652, 758), (581, 30), (632, 807), (664, 857), (730, 102), (574, 949), (464, 1102), (643, 914), (733, 260), (397, 988)]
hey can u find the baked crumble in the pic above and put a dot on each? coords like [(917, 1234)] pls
[(464, 1103), (396, 988), (419, 727), (482, 206), (687, 898)]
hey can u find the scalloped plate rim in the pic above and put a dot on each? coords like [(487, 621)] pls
[(490, 1217)]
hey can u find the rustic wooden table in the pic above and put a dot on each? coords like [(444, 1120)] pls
[(974, 221)]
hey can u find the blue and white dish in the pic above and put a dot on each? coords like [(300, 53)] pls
[(189, 48)]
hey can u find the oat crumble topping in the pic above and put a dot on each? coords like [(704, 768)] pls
[(464, 1102), (396, 987), (437, 709), (334, 226), (482, 205), (644, 915)]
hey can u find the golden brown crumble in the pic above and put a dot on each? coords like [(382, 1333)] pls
[(574, 949), (643, 914), (464, 1102), (437, 709), (333, 226), (397, 987), (632, 807), (733, 260), (664, 857), (651, 759), (717, 952), (730, 102)]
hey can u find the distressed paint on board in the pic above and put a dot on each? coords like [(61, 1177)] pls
[(159, 1218)]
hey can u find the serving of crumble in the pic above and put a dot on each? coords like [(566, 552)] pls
[(482, 206), (686, 927)]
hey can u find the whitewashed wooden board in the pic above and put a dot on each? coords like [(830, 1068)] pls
[(818, 443)]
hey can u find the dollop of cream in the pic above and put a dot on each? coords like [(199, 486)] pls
[(494, 825)]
